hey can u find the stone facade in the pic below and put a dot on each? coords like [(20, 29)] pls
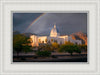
[(54, 37)]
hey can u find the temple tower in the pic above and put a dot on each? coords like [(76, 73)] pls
[(54, 32)]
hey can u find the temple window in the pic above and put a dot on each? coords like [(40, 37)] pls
[(42, 41), (39, 40)]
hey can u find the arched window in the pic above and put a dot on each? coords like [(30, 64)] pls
[(42, 41), (39, 40)]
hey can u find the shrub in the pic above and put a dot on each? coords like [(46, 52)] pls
[(44, 53), (69, 48), (68, 43), (77, 49), (83, 47), (62, 48), (55, 45)]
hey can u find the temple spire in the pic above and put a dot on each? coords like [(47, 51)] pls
[(54, 26)]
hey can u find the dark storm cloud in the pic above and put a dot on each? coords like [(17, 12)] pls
[(66, 23), (22, 20)]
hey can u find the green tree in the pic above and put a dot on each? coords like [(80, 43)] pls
[(55, 46), (21, 43), (62, 48), (68, 43), (77, 49), (83, 47), (47, 47), (69, 48), (43, 53)]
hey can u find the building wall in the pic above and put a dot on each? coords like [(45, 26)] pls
[(60, 40), (42, 38), (74, 41), (34, 40), (64, 37), (56, 39)]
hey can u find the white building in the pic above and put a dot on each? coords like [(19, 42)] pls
[(54, 37)]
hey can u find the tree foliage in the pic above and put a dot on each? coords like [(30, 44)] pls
[(48, 47), (83, 47), (69, 48), (55, 45), (21, 43), (68, 43), (43, 53)]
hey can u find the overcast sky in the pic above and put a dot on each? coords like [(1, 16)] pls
[(42, 24)]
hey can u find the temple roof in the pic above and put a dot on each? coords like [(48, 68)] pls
[(54, 30)]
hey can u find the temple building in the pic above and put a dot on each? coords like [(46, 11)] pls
[(54, 37)]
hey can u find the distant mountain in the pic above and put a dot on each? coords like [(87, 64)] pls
[(80, 36), (28, 34)]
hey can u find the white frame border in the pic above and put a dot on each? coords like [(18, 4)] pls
[(96, 2)]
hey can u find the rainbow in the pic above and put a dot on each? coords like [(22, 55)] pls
[(35, 21)]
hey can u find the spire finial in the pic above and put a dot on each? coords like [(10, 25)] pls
[(54, 26)]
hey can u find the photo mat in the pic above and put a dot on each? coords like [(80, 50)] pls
[(52, 37)]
